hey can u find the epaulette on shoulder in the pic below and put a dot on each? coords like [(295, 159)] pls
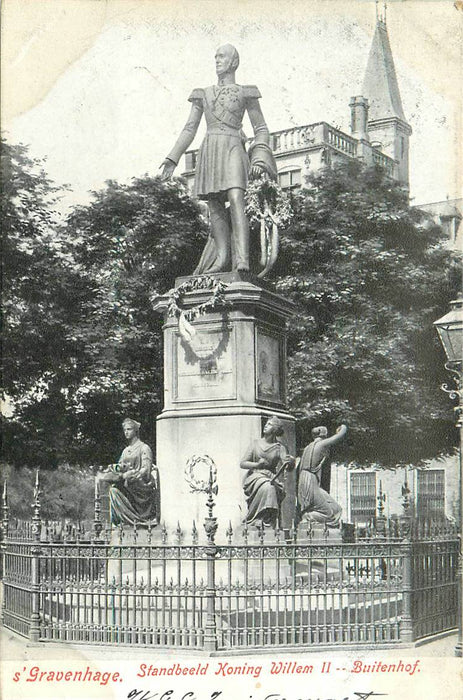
[(251, 91), (197, 94)]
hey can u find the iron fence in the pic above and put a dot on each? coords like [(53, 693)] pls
[(246, 589)]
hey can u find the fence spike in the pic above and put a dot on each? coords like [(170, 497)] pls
[(294, 528), (5, 510), (120, 533), (36, 519), (97, 524)]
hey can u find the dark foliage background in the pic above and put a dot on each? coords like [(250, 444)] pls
[(82, 346), (370, 275)]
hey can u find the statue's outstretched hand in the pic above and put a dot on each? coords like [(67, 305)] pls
[(168, 167)]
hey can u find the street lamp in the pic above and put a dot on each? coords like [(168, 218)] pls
[(450, 330)]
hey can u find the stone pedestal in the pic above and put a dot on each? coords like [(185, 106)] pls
[(219, 389)]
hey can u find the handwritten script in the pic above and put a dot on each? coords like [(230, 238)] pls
[(137, 694)]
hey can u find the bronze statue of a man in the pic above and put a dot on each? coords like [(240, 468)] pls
[(223, 165)]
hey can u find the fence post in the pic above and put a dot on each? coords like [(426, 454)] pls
[(380, 525), (406, 624), (97, 524), (34, 629), (5, 511), (210, 526), (4, 535)]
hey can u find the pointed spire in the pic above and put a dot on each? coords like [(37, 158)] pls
[(380, 84)]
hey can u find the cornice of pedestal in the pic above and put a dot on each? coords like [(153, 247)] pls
[(225, 409), (243, 290)]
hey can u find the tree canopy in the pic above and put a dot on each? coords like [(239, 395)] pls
[(369, 274), (83, 347), (41, 297), (132, 241)]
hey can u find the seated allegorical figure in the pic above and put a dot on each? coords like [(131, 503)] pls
[(265, 459), (314, 502), (134, 490)]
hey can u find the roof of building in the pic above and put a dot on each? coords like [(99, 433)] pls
[(380, 84)]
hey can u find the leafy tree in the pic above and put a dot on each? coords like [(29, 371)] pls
[(82, 345), (129, 243), (65, 493), (369, 275), (40, 291)]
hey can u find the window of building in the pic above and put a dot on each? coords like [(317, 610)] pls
[(362, 496), (430, 493), (190, 160), (290, 179)]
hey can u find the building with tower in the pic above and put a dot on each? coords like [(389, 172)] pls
[(387, 127), (379, 134)]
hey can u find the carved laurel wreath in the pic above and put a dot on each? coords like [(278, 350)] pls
[(198, 283), (265, 198), (201, 485)]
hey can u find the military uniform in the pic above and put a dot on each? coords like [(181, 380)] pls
[(222, 167), (222, 160)]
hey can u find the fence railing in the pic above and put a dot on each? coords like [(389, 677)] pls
[(246, 589)]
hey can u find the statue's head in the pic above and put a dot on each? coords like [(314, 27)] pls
[(274, 426), (227, 59), (130, 427), (319, 431)]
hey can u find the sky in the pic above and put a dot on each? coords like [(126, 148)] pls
[(100, 87)]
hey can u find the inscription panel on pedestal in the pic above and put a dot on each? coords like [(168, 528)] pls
[(205, 367), (269, 361)]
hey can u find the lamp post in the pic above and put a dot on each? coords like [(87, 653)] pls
[(450, 330)]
